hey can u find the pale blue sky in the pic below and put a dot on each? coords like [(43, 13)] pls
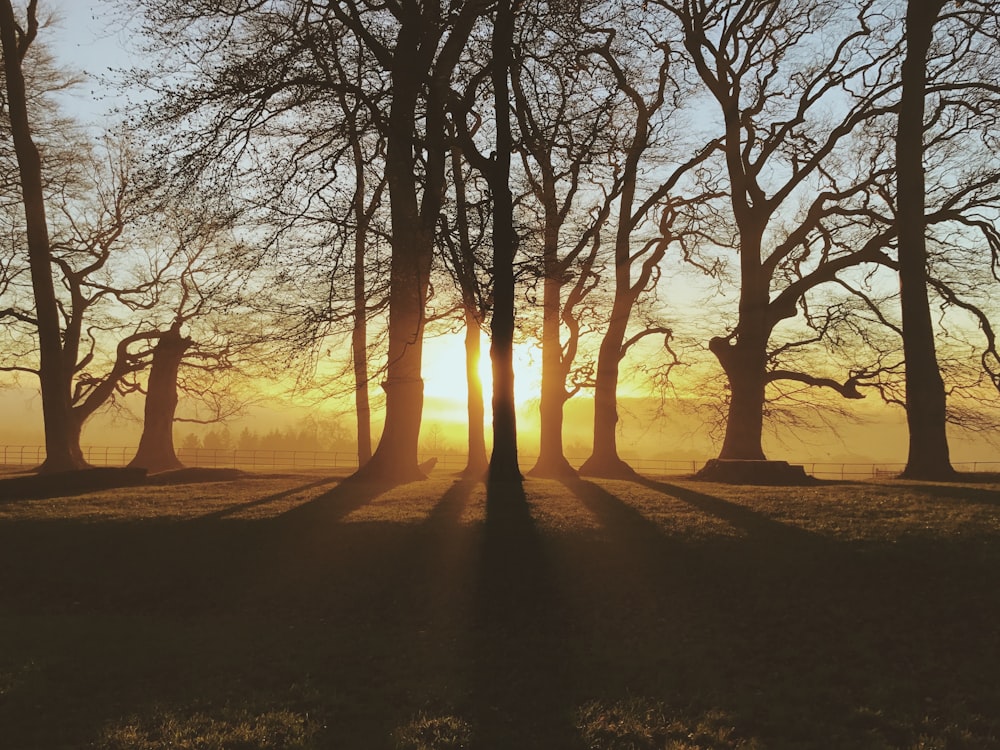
[(87, 36)]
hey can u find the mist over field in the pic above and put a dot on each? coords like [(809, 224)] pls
[(876, 433)]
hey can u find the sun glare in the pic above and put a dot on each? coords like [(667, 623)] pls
[(444, 370)]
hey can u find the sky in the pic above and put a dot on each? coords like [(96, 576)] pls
[(88, 37)]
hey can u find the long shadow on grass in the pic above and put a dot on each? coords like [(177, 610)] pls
[(243, 561), (750, 521), (972, 495), (222, 513), (69, 483), (397, 600), (522, 679), (792, 639)]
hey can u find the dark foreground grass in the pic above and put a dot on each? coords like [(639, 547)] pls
[(296, 612)]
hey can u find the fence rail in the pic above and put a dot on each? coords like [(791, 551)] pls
[(287, 460)]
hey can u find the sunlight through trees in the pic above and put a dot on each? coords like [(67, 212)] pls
[(767, 209)]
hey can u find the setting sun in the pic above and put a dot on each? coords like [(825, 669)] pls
[(444, 370)]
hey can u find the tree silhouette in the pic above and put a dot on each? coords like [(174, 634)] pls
[(503, 460), (62, 453), (462, 246), (788, 201), (565, 116), (420, 58), (925, 395), (636, 269)]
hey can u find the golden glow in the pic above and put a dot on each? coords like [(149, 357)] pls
[(444, 370)]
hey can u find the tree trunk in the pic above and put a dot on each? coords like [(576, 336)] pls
[(477, 464), (62, 453), (745, 360), (604, 460), (925, 394), (503, 461), (362, 407), (552, 461), (395, 458), (744, 365), (156, 445), (359, 333)]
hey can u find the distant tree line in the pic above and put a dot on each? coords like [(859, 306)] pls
[(308, 176), (309, 437)]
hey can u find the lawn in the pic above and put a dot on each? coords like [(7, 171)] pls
[(299, 611)]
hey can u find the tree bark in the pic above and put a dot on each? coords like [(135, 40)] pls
[(156, 445), (745, 368), (503, 461), (62, 453), (604, 460), (926, 414), (395, 459), (744, 360)]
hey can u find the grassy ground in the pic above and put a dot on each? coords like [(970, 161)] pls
[(299, 612)]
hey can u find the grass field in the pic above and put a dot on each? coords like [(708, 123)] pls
[(295, 611)]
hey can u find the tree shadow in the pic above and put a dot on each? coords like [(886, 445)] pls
[(223, 512), (510, 624), (69, 483), (330, 507), (785, 631), (971, 495), (522, 678), (757, 524), (620, 520)]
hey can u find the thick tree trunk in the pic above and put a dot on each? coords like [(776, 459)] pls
[(925, 393), (156, 445), (503, 461), (552, 461), (744, 365), (476, 465), (395, 458), (744, 360), (62, 452), (604, 460)]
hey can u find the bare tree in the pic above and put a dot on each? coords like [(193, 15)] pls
[(636, 270), (565, 116), (462, 245), (782, 144), (503, 461), (255, 102), (201, 322), (17, 35)]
